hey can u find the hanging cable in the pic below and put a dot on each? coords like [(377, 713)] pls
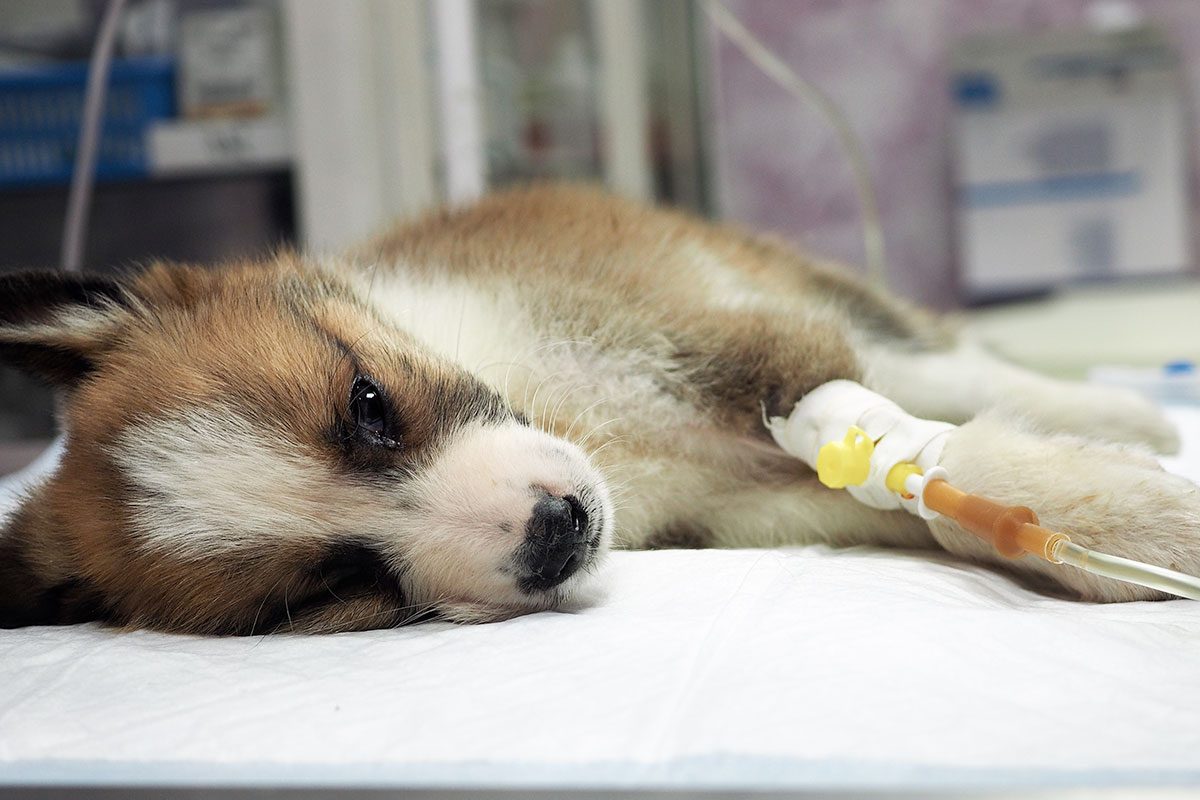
[(809, 94), (83, 176)]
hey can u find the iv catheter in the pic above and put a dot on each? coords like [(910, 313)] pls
[(886, 458)]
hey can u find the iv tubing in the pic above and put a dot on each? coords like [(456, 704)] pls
[(1014, 530), (1124, 569), (808, 93), (83, 176), (862, 442)]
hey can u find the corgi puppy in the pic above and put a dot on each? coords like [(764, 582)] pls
[(460, 418)]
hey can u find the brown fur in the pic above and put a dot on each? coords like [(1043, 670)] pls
[(680, 536), (723, 326), (269, 338), (623, 274)]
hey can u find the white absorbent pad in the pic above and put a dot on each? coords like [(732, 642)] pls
[(776, 668)]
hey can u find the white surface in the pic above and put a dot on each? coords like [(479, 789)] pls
[(779, 667)]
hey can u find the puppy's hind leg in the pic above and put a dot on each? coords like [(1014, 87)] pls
[(956, 384), (1106, 497)]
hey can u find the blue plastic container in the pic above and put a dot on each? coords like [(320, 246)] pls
[(40, 110)]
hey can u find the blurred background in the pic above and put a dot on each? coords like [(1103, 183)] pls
[(1034, 160)]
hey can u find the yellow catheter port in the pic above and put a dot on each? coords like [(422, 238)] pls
[(898, 476), (846, 463)]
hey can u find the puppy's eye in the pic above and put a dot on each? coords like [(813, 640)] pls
[(369, 411)]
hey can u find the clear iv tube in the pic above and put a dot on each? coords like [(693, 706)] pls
[(1014, 531), (808, 93), (1124, 569), (83, 176)]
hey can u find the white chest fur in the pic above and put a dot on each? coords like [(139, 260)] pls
[(476, 328), (489, 332)]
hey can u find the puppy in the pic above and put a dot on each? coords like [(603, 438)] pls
[(461, 417)]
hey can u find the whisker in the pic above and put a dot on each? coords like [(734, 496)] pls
[(532, 408), (544, 416), (417, 608), (371, 283), (566, 396), (525, 395), (583, 442), (533, 405), (619, 488), (581, 415), (614, 440), (328, 588), (532, 350), (528, 352), (507, 373), (287, 609), (560, 400), (347, 353), (266, 597), (597, 456), (462, 315)]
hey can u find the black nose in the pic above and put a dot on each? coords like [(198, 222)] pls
[(555, 542)]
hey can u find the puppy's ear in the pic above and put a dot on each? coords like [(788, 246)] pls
[(54, 326)]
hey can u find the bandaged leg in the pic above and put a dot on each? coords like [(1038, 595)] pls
[(1108, 498)]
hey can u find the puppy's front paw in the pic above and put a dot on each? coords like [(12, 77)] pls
[(1107, 498)]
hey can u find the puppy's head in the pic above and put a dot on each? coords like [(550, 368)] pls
[(253, 449)]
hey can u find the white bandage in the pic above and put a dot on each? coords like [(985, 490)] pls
[(829, 411)]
